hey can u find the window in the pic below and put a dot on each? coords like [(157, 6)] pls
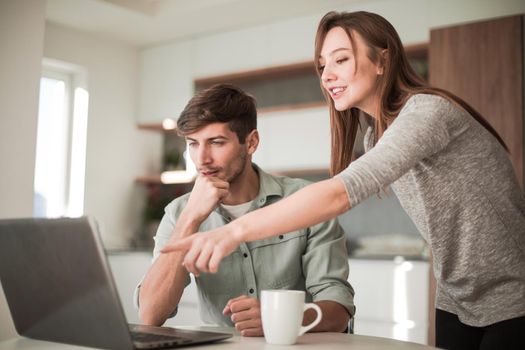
[(61, 141)]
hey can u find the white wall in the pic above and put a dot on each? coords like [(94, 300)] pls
[(21, 40), (117, 152), (19, 81)]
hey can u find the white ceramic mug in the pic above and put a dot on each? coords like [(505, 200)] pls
[(282, 315)]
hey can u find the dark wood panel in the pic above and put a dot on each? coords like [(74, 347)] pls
[(483, 64)]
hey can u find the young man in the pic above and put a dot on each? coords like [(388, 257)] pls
[(220, 127)]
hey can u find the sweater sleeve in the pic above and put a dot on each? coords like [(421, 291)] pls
[(422, 128)]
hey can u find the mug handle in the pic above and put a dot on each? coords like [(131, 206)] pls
[(317, 309)]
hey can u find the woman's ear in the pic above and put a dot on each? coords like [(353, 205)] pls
[(252, 141), (383, 57)]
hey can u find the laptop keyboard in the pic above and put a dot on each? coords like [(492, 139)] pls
[(150, 337)]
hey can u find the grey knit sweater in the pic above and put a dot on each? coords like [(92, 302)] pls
[(457, 184)]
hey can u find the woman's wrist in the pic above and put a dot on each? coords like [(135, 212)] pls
[(187, 224), (239, 231)]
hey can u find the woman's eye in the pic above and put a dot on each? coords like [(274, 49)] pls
[(321, 69), (341, 60)]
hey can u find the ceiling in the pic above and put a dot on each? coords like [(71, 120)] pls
[(147, 22)]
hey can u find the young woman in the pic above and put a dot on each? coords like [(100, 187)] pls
[(448, 167)]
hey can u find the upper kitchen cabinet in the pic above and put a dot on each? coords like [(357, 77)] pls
[(482, 63), (268, 45), (166, 82), (282, 87), (294, 140)]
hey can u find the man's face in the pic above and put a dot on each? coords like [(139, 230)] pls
[(217, 152)]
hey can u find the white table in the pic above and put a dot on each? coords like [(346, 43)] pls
[(332, 341)]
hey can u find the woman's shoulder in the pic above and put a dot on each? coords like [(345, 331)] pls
[(435, 110), (431, 105), (427, 100)]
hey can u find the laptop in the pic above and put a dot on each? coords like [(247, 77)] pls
[(59, 288)]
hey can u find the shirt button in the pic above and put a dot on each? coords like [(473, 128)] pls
[(245, 255), (281, 236), (251, 290)]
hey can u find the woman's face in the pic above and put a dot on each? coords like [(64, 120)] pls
[(347, 74)]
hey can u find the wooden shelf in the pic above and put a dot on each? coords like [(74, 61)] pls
[(257, 74), (307, 172), (299, 173), (149, 180), (159, 127), (417, 51), (290, 107), (157, 180), (260, 112)]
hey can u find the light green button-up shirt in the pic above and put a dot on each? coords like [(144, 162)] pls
[(313, 259)]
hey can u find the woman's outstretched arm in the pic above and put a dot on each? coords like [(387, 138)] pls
[(309, 206)]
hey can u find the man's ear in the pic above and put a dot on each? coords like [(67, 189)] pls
[(252, 141), (383, 58)]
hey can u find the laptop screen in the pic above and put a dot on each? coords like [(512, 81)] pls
[(59, 287)]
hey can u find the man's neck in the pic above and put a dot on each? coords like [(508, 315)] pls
[(245, 187)]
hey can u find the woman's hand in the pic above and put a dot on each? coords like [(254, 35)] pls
[(205, 250)]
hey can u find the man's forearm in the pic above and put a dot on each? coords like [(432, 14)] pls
[(163, 285), (161, 289), (335, 317)]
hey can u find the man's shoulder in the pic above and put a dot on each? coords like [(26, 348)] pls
[(289, 184), (176, 205)]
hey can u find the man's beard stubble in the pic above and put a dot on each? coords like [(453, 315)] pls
[(237, 171)]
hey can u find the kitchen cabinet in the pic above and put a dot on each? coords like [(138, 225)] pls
[(482, 63), (294, 140), (391, 298)]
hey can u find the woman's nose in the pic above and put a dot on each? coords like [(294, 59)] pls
[(327, 74)]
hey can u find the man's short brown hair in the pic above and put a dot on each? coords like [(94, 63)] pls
[(220, 103)]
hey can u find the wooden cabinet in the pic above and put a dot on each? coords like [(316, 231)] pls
[(482, 63)]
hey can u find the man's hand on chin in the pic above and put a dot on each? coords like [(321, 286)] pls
[(246, 315), (206, 194)]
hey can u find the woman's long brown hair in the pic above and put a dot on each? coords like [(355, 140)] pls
[(398, 82)]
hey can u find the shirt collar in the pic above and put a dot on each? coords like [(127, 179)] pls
[(268, 188)]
